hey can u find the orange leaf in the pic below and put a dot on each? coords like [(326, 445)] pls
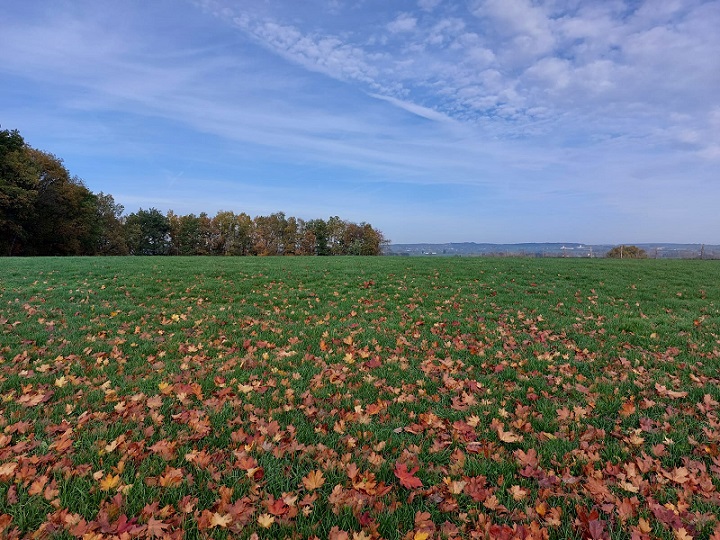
[(278, 507), (171, 477), (110, 482), (314, 480), (627, 409), (407, 477)]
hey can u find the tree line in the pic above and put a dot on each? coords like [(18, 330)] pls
[(46, 211)]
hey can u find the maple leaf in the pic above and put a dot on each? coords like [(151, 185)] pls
[(277, 507), (171, 477), (455, 486), (553, 517), (265, 520), (7, 470), (672, 394), (529, 459), (156, 528), (110, 482), (125, 525), (518, 493), (338, 534), (424, 522), (597, 530), (644, 526), (407, 477), (187, 504), (627, 409), (37, 486), (508, 436), (164, 449), (220, 520), (313, 480), (682, 534)]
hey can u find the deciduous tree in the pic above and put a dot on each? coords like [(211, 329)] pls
[(147, 232)]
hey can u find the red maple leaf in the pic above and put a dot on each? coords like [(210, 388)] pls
[(407, 478)]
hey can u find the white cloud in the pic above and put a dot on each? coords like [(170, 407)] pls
[(428, 5), (524, 99), (523, 22), (403, 23), (418, 110), (326, 54)]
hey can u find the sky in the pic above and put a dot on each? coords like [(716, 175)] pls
[(434, 120)]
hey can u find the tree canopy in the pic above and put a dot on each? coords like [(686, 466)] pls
[(626, 252), (46, 211)]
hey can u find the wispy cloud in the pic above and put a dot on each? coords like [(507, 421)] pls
[(497, 107)]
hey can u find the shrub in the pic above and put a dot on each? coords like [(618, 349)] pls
[(626, 252)]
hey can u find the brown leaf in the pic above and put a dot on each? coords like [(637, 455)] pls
[(156, 528), (529, 459)]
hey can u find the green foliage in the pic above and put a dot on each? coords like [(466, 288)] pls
[(626, 252), (111, 240), (148, 232), (45, 211)]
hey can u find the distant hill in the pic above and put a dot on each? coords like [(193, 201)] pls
[(557, 249)]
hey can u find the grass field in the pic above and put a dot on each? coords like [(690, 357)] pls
[(354, 398)]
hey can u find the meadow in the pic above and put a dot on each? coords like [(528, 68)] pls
[(357, 398)]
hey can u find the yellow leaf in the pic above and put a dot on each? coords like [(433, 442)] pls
[(265, 520), (421, 535), (110, 482), (644, 526)]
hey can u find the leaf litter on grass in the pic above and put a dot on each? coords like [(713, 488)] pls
[(359, 398)]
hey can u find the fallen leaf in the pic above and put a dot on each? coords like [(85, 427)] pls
[(220, 520), (313, 480), (407, 477), (265, 520), (110, 482)]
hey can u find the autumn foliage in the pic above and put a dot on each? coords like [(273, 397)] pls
[(384, 398)]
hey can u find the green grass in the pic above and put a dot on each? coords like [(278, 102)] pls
[(247, 374)]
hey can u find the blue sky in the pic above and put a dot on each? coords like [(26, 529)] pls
[(434, 120)]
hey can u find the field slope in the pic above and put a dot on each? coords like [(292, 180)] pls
[(355, 398)]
